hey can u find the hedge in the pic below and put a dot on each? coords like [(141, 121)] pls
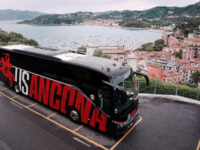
[(167, 88)]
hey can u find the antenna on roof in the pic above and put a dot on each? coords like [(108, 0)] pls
[(108, 69)]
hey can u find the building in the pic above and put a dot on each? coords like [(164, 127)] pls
[(155, 72), (187, 74), (191, 53), (195, 34), (171, 76), (117, 53), (132, 61), (90, 50), (174, 44), (191, 42)]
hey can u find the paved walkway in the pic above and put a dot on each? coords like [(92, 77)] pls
[(170, 97)]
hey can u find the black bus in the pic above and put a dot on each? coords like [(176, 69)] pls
[(98, 92)]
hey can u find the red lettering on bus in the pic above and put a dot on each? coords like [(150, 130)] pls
[(43, 93), (83, 107), (68, 94), (6, 68), (49, 91), (33, 87), (72, 98), (55, 85), (95, 119)]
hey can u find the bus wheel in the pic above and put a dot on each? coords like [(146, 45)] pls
[(17, 90), (74, 115)]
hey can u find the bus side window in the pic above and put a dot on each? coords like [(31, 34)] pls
[(104, 99)]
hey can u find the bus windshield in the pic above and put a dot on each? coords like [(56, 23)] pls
[(126, 82), (125, 87)]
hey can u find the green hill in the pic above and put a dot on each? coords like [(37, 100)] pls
[(9, 14), (158, 16), (15, 38)]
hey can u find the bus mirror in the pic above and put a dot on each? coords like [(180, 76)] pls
[(144, 75)]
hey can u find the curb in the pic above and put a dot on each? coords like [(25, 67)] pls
[(171, 97)]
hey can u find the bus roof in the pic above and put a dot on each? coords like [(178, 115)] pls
[(106, 66), (32, 49)]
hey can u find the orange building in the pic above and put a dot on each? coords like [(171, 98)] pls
[(155, 72)]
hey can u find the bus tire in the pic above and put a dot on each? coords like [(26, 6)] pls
[(74, 115), (16, 88)]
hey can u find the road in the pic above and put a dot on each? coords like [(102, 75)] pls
[(164, 125)]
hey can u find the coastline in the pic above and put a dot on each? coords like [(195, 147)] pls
[(112, 26)]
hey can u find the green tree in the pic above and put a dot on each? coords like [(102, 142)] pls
[(15, 38), (158, 45), (149, 48), (146, 47), (99, 53), (196, 77), (178, 54)]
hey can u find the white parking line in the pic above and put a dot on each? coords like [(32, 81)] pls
[(82, 142), (4, 146)]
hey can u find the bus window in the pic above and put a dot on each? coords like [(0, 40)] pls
[(103, 100)]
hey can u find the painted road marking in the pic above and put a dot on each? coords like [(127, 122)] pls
[(15, 96), (4, 146), (82, 142), (58, 124), (78, 128), (198, 146), (70, 130), (3, 89), (16, 105), (126, 134), (51, 115), (32, 105)]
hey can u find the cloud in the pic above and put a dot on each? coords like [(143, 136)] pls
[(66, 6)]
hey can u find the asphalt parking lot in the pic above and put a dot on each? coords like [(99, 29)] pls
[(161, 124)]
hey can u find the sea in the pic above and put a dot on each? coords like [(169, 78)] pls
[(73, 37)]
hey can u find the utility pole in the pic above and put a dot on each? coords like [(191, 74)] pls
[(138, 87), (177, 86), (198, 91), (155, 86)]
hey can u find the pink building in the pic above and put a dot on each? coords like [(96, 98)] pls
[(191, 53), (174, 42), (191, 42)]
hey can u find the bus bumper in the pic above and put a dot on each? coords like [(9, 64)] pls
[(124, 127)]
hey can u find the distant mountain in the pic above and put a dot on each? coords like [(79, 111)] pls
[(9, 14), (157, 16)]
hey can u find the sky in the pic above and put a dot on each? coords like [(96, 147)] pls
[(69, 6)]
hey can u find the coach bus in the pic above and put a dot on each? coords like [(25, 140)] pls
[(98, 92)]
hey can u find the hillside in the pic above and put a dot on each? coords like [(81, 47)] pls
[(157, 16), (9, 14), (15, 38)]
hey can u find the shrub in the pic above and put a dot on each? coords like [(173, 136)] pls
[(167, 88)]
